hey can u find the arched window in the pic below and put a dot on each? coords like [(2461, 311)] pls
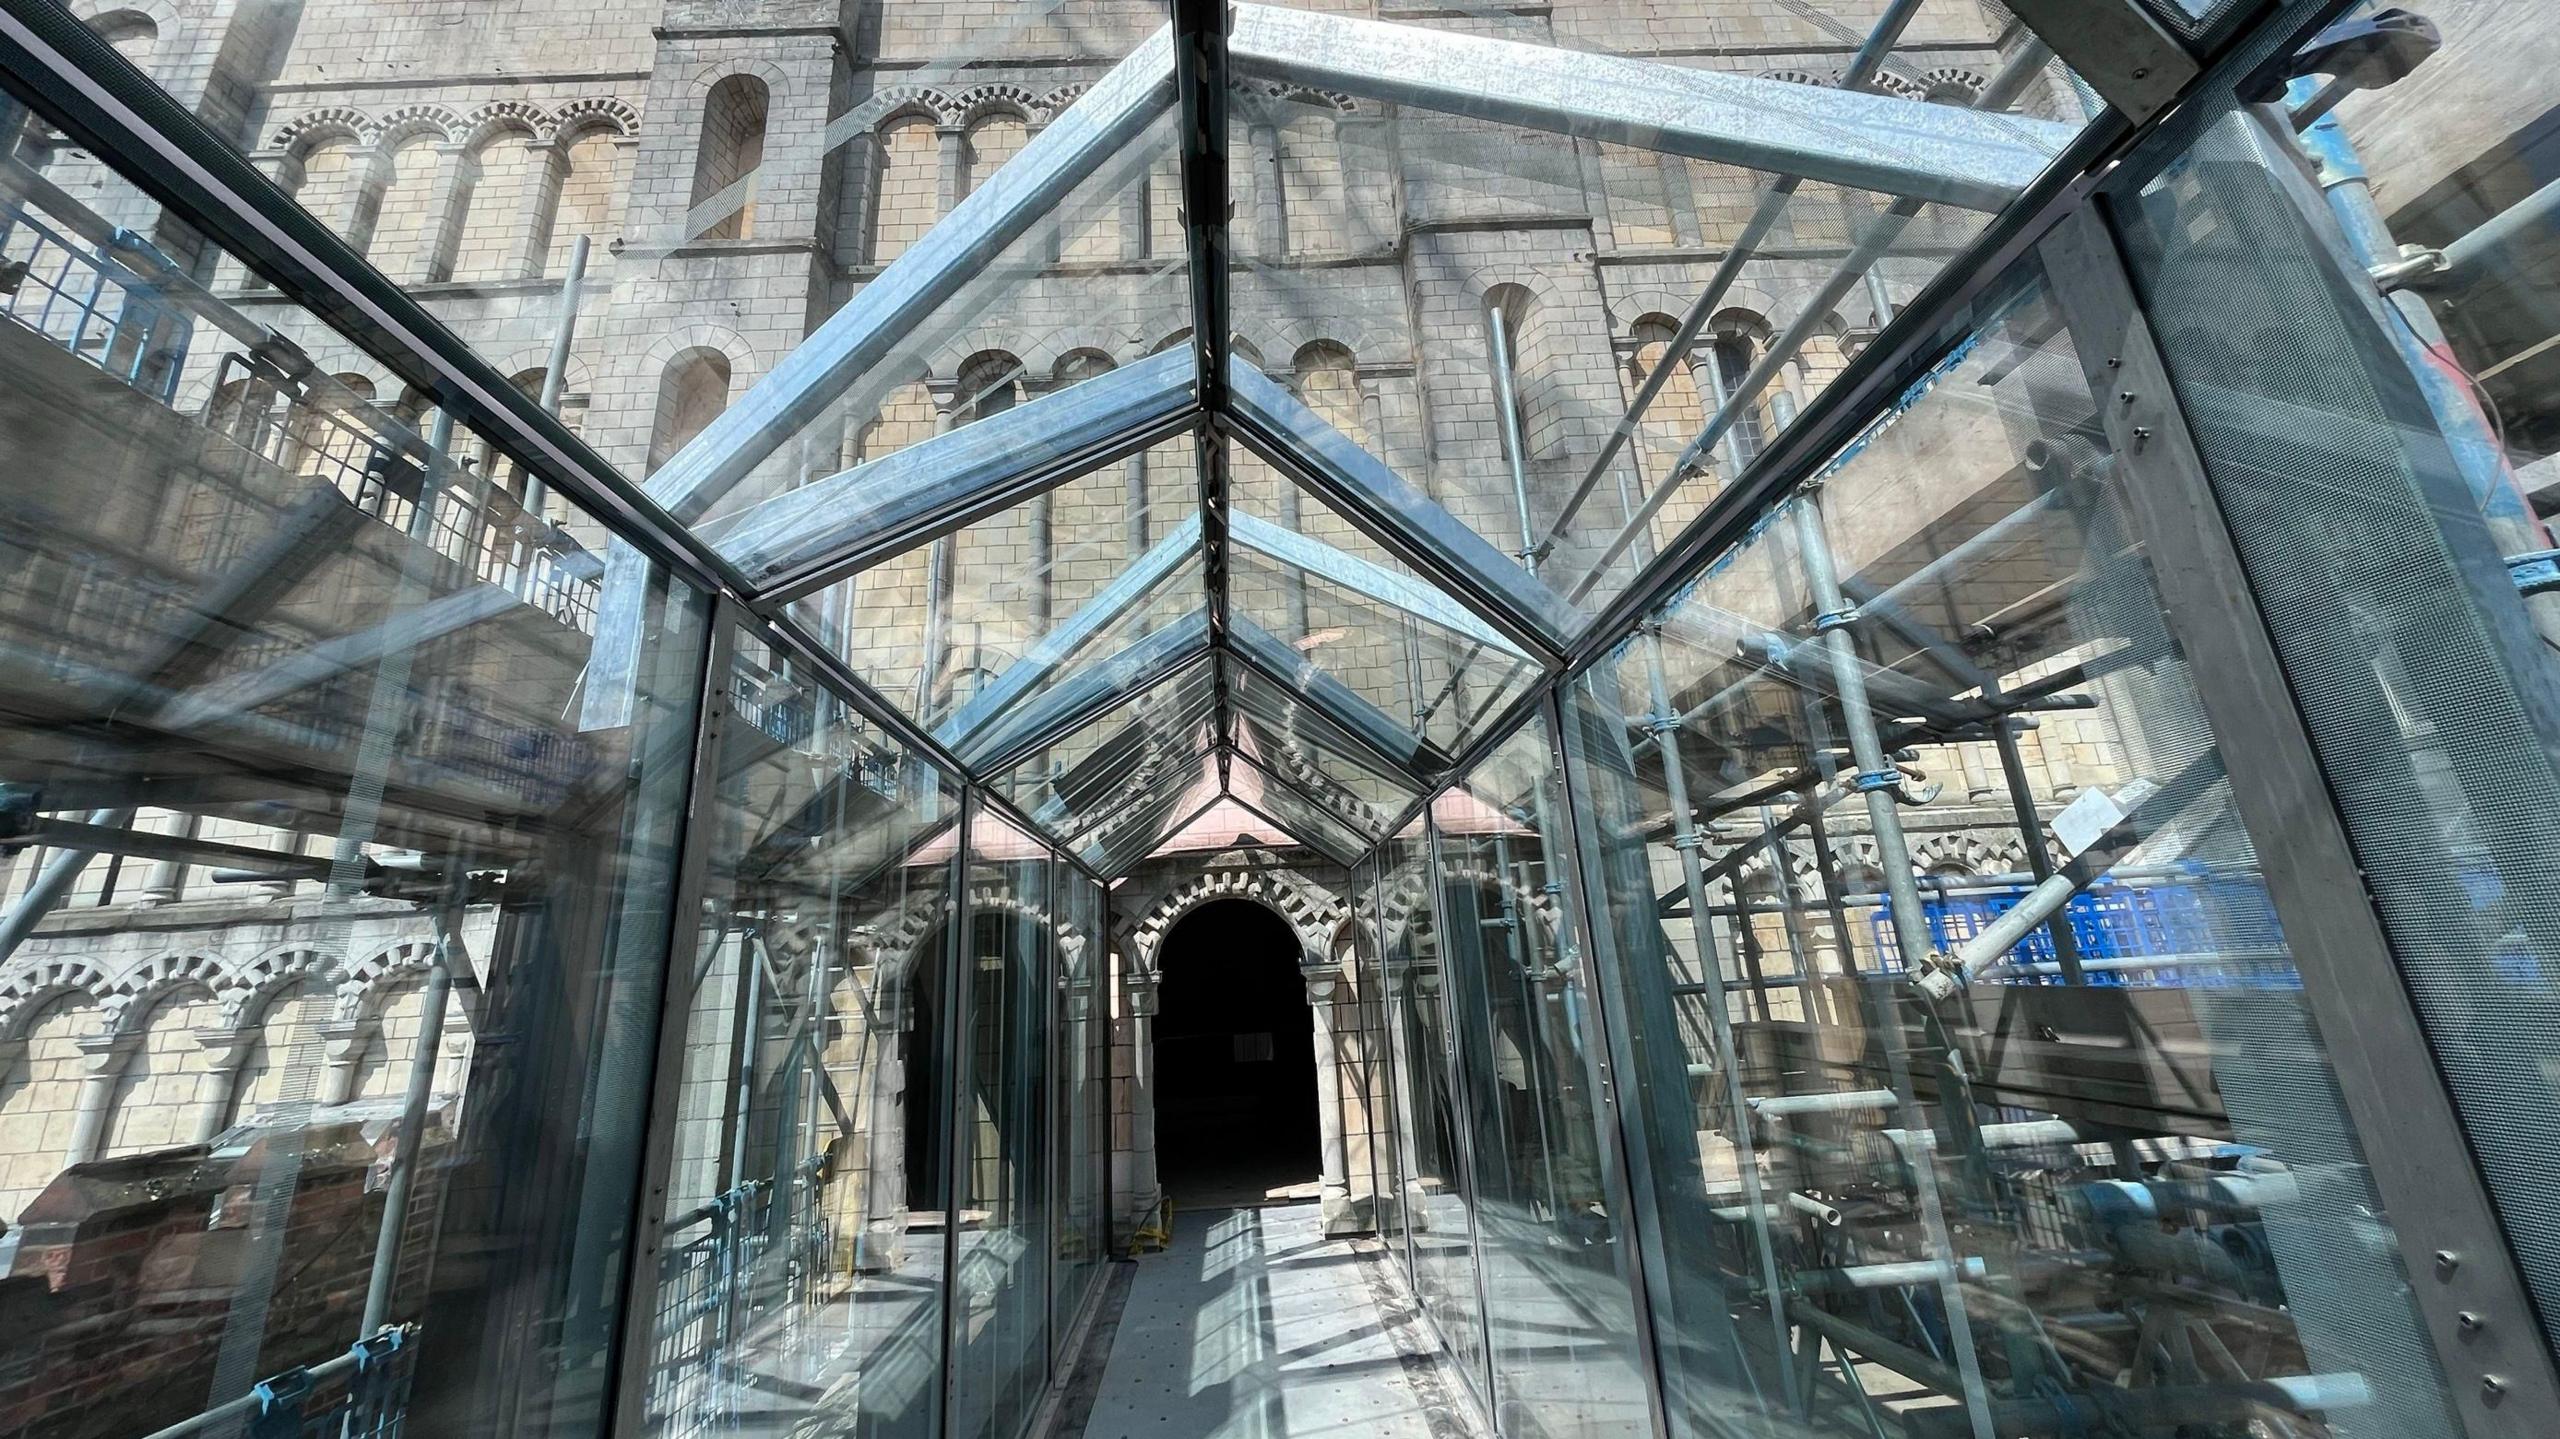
[(1733, 365), (731, 148), (1673, 418), (334, 189), (286, 1056), (905, 418), (906, 192), (593, 172), (161, 1094), (410, 239), (508, 182), (134, 35), (1312, 210), (989, 143), (383, 1072), (692, 391), (39, 1091), (1523, 352), (1329, 383)]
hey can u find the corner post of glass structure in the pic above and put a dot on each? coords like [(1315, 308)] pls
[(636, 1349), (957, 1034), (2464, 1275), (1583, 919)]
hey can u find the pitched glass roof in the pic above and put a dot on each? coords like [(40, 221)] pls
[(1239, 571)]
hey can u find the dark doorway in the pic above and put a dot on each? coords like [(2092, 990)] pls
[(1235, 1086)]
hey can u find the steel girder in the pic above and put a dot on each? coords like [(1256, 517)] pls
[(1164, 558), (1866, 141), (1091, 692), (812, 536), (1412, 526)]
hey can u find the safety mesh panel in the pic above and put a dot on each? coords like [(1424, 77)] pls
[(2427, 698)]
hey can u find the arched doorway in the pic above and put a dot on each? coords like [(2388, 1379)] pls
[(1235, 1091)]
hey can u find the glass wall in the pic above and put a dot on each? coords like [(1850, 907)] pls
[(1000, 1203), (334, 935), (800, 1260)]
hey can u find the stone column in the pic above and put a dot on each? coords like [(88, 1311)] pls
[(448, 198), (226, 1047), (953, 177), (103, 1056), (1270, 222), (167, 878), (1323, 978), (529, 238), (881, 1244), (1138, 990), (344, 1042)]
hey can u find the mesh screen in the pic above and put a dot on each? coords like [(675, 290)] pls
[(2426, 695)]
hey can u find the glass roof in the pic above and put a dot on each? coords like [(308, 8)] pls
[(1505, 300)]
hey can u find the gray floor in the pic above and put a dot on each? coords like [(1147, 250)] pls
[(1253, 1325)]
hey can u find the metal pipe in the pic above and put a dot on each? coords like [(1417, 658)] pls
[(254, 1400), (2013, 78), (61, 870), (1507, 399), (403, 1180), (1779, 1106), (1891, 1276), (555, 370), (1772, 203), (1666, 738), (2484, 249)]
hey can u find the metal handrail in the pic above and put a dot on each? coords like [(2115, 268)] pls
[(291, 1385)]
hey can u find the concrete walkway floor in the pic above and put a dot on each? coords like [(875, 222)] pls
[(1253, 1325)]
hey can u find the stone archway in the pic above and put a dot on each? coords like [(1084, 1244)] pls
[(1346, 1028), (1238, 1118)]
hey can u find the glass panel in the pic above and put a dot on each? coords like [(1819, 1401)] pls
[(1139, 760), (1292, 737), (731, 182), (2112, 1175), (1058, 585), (801, 1270), (300, 810), (2386, 470), (1084, 1092), (1001, 1217), (1439, 1197), (1567, 1358), (1325, 831), (1352, 613), (1479, 304)]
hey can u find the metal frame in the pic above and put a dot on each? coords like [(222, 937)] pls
[(2118, 47), (811, 537), (2470, 1293), (1089, 693), (1868, 142), (1277, 426)]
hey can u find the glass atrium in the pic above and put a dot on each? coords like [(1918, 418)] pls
[(1797, 719)]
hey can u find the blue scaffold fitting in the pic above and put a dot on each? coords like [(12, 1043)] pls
[(1661, 724), (1869, 781), (1829, 620), (1689, 839)]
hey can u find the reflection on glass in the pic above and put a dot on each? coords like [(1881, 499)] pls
[(801, 1264), (1083, 1082), (1567, 1359), (1573, 337), (325, 923), (2108, 1174), (1000, 1213), (1438, 1205)]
